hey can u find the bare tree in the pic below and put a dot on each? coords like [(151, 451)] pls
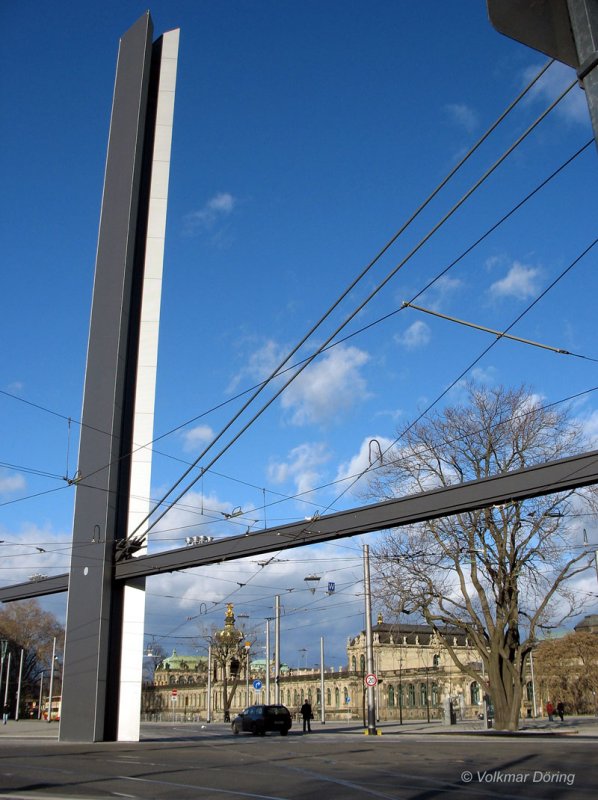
[(501, 574), (29, 629)]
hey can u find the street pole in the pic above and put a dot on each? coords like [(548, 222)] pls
[(20, 681), (277, 650), (209, 697), (268, 661), (51, 681), (369, 640), (41, 695), (247, 646), (531, 666), (7, 680), (322, 700), (3, 648)]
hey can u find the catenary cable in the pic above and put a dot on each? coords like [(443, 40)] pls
[(348, 319)]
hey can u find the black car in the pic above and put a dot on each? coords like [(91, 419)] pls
[(258, 720)]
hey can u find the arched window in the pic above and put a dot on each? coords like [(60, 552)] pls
[(328, 697), (337, 697), (362, 663), (346, 695), (401, 696), (435, 697), (474, 693), (353, 663), (391, 696), (529, 688), (411, 695), (436, 660), (295, 697), (423, 695), (318, 697)]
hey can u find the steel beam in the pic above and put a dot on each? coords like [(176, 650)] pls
[(556, 476)]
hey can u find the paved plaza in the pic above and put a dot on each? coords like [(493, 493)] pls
[(337, 762)]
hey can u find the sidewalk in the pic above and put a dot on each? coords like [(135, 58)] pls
[(572, 726)]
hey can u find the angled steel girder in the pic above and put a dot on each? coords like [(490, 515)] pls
[(555, 476)]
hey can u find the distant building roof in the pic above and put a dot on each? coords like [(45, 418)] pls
[(177, 662)]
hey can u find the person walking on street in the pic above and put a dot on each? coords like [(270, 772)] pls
[(560, 709), (550, 710), (5, 713), (307, 716)]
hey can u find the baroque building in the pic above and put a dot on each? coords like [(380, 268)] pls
[(417, 680)]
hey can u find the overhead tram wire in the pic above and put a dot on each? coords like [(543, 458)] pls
[(471, 365), (275, 373), (348, 319), (330, 345), (257, 388), (496, 333)]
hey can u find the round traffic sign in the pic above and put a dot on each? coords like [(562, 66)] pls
[(257, 685), (174, 692), (371, 680)]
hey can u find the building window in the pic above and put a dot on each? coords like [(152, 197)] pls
[(362, 663), (354, 664), (530, 691), (411, 695), (423, 695), (328, 697), (318, 697), (391, 697), (436, 660), (435, 698), (474, 693), (337, 697), (346, 695)]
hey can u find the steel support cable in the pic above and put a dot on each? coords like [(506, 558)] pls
[(469, 367), (348, 319), (277, 371), (262, 384), (257, 388)]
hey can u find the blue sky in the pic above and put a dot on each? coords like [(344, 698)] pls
[(305, 135)]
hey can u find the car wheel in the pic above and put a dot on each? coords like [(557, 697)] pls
[(235, 729), (253, 729)]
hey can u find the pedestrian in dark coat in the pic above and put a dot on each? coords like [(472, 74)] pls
[(307, 716)]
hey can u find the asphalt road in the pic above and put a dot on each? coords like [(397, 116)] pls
[(188, 762)]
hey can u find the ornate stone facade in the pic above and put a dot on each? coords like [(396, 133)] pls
[(416, 680)]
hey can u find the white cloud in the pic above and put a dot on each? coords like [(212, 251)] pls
[(417, 335), (259, 365), (194, 438), (370, 454), (574, 107), (520, 282), (328, 386), (301, 467), (10, 482), (218, 207), (463, 115)]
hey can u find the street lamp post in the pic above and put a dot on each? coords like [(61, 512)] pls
[(247, 648), (3, 649), (369, 641)]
